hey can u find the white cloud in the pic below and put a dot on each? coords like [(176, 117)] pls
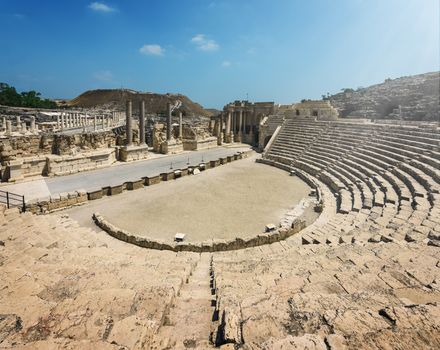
[(101, 7), (204, 44), (226, 64), (152, 50), (104, 75), (18, 16)]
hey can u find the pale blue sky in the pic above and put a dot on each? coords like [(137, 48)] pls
[(215, 51)]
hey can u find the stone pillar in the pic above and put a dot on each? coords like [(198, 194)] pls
[(180, 124), (128, 124), (227, 136), (94, 123), (4, 124), (102, 122), (32, 124), (240, 124), (252, 126), (220, 130), (23, 127), (142, 122), (8, 127), (245, 121), (58, 122), (168, 121)]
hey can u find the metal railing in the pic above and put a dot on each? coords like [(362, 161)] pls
[(12, 200)]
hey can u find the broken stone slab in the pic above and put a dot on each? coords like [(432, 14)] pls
[(270, 227)]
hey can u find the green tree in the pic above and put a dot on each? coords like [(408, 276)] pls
[(10, 97)]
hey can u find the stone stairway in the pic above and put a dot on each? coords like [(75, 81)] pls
[(188, 323)]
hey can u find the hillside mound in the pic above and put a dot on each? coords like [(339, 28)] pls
[(408, 98), (154, 103)]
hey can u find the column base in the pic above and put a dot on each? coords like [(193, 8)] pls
[(131, 153)]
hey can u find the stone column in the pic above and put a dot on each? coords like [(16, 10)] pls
[(94, 123), (58, 122), (168, 121), (252, 126), (142, 122), (8, 127), (245, 121), (128, 124), (240, 124), (23, 127), (18, 121), (102, 122), (32, 124), (4, 124), (180, 124), (228, 124), (220, 130)]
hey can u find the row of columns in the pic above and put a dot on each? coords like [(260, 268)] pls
[(75, 120), (237, 123), (129, 123), (20, 126)]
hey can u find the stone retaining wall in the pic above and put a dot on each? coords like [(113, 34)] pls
[(215, 245), (66, 200), (55, 165)]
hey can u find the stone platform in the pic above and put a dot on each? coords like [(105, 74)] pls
[(131, 153)]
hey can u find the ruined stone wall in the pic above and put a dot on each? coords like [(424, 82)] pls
[(322, 110), (71, 144), (17, 147), (24, 146)]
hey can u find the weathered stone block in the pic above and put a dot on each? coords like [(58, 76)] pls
[(114, 190), (167, 176), (92, 195), (135, 185), (152, 180)]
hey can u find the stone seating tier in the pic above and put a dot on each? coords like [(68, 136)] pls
[(362, 178), (68, 284)]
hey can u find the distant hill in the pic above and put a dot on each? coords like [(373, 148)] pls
[(213, 111), (154, 103), (409, 98)]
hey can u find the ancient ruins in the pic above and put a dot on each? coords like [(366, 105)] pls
[(343, 211)]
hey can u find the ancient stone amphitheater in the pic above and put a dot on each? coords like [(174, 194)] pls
[(364, 275)]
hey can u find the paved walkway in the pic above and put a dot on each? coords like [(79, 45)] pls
[(117, 173)]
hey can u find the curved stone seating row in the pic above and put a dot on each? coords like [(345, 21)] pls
[(214, 245), (328, 297), (380, 189), (62, 285)]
